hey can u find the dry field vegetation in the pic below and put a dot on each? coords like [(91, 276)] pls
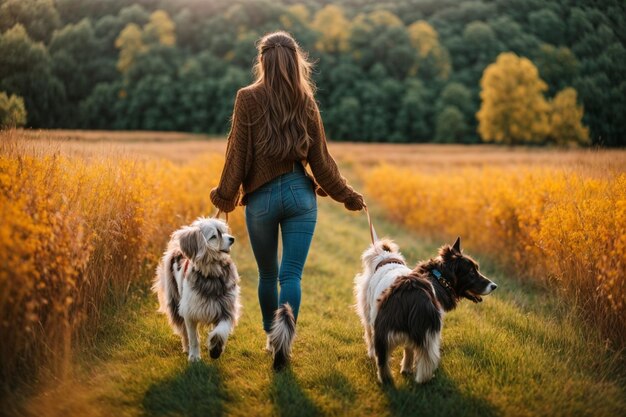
[(81, 223), (558, 218), (86, 215)]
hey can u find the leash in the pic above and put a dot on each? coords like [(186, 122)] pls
[(373, 234), (217, 215)]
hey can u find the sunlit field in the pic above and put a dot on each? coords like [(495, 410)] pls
[(80, 226), (553, 216), (561, 223), (86, 216)]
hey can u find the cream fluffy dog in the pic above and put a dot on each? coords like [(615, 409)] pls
[(197, 282)]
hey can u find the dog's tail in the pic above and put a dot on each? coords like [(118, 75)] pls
[(159, 283), (166, 287), (282, 334)]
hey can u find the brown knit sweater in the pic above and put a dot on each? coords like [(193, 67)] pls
[(244, 166)]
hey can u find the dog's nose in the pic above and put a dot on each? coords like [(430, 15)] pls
[(492, 286)]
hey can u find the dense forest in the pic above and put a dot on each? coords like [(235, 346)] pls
[(397, 71)]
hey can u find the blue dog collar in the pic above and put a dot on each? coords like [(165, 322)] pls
[(444, 282)]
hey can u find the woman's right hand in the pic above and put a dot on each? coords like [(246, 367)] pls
[(355, 202)]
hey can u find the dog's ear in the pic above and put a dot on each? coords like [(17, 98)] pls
[(446, 252), (457, 245), (388, 245), (192, 242)]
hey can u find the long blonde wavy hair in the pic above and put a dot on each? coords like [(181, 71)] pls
[(283, 70)]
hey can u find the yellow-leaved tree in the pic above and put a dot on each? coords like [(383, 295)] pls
[(513, 109), (130, 44), (333, 27), (12, 111), (160, 29), (566, 127), (297, 13), (433, 58), (134, 40)]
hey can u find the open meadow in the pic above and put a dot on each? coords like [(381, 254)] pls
[(86, 216)]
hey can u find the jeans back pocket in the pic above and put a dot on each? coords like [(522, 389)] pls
[(259, 202), (304, 196)]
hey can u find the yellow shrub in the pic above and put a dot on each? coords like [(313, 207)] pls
[(555, 226), (76, 234)]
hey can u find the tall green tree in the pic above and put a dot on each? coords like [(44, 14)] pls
[(547, 25), (78, 62), (26, 70), (39, 17), (557, 66), (380, 37), (451, 126), (455, 99), (412, 122)]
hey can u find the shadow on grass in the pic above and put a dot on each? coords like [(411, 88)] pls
[(288, 397), (197, 391), (438, 397)]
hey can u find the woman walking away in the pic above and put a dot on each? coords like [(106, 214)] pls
[(276, 131)]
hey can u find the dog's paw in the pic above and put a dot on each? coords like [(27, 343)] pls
[(406, 371), (216, 346), (371, 353), (385, 380), (194, 357), (281, 361), (384, 377), (423, 378)]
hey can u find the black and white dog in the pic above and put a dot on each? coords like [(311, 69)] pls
[(197, 282), (400, 306)]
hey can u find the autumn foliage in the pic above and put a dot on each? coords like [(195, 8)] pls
[(12, 111), (515, 111), (565, 119), (330, 22), (133, 40), (513, 108)]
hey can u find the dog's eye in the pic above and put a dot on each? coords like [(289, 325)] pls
[(213, 237)]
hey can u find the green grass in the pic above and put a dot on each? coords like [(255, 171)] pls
[(519, 353)]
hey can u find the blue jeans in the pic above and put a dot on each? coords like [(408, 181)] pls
[(287, 201)]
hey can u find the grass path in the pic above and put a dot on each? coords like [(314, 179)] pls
[(518, 353)]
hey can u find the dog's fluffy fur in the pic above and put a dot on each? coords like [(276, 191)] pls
[(400, 306), (197, 282)]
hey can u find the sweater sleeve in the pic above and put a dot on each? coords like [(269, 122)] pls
[(226, 195), (325, 169)]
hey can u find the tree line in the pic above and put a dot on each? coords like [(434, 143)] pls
[(402, 71)]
